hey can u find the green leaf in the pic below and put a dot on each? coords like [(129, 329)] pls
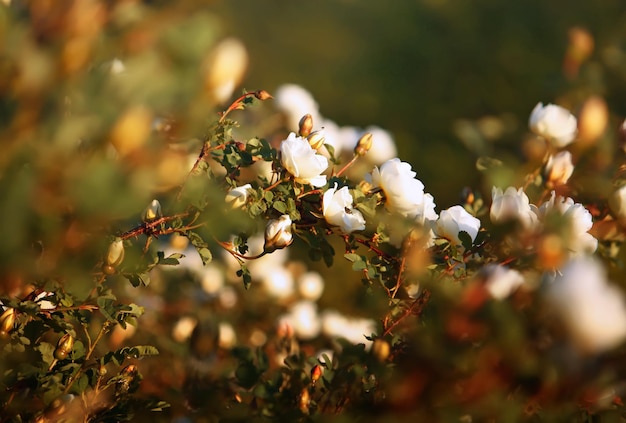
[(280, 206)]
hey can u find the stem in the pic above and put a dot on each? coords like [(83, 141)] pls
[(350, 163), (415, 308)]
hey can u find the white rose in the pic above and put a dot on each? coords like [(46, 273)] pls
[(512, 205), (577, 239), (559, 169), (278, 233), (554, 123), (237, 197), (454, 220), (592, 309), (500, 281), (302, 161), (338, 211), (304, 318), (403, 193)]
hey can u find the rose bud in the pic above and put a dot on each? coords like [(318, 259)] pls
[(278, 234), (152, 212), (115, 254), (364, 144), (64, 347), (316, 373), (305, 125), (316, 139), (7, 322)]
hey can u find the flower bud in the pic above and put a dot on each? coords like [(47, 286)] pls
[(558, 169), (316, 139), (152, 212), (316, 373), (64, 347), (262, 95), (7, 322), (305, 125), (115, 254), (617, 204), (237, 197), (381, 349), (128, 381), (278, 234), (364, 144), (305, 400)]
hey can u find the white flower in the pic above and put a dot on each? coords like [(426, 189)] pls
[(278, 283), (577, 239), (403, 193), (559, 168), (237, 197), (311, 285), (302, 161), (500, 281), (295, 102), (512, 205), (338, 211), (592, 309), (278, 233), (383, 146), (454, 220), (304, 320), (225, 68), (354, 330), (554, 123), (227, 335)]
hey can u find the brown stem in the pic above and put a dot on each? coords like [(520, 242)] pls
[(415, 308)]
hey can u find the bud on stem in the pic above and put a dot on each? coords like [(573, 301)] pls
[(316, 139), (152, 212), (305, 125), (64, 347), (7, 322), (278, 234), (115, 254), (363, 145)]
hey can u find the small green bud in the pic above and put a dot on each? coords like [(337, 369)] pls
[(364, 144), (316, 139), (152, 212), (115, 254), (305, 125), (64, 347)]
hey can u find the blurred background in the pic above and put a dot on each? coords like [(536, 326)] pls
[(438, 73), (104, 106)]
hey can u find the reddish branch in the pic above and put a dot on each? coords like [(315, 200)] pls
[(416, 308)]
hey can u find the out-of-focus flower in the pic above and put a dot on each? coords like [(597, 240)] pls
[(403, 193), (576, 238), (279, 283), (295, 101), (304, 319), (500, 281), (338, 211), (510, 205), (211, 279), (617, 204), (225, 68), (183, 328), (558, 169), (278, 234), (593, 120), (454, 220), (591, 308), (227, 335), (237, 197), (354, 330), (554, 123), (44, 303), (383, 146), (302, 161), (311, 285)]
